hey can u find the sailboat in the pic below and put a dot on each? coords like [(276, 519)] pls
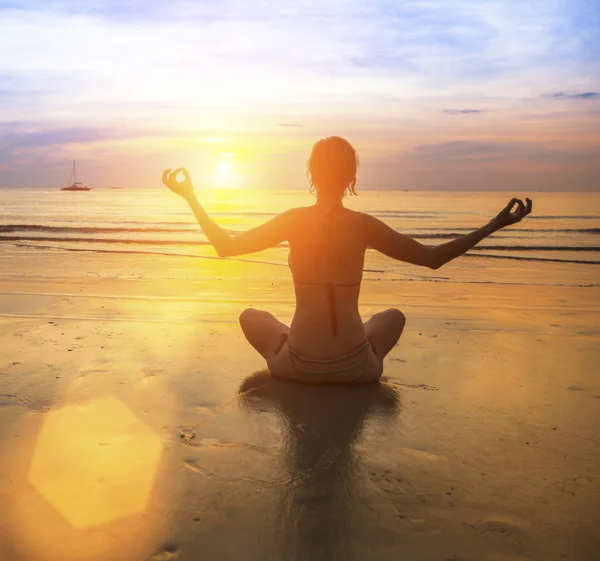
[(75, 186)]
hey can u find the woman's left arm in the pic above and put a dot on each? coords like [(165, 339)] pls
[(262, 237), (448, 251)]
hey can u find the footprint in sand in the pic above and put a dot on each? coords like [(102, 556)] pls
[(580, 389), (413, 386), (390, 483), (503, 531), (166, 552), (13, 398)]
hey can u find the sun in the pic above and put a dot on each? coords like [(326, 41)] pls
[(226, 174), (225, 170)]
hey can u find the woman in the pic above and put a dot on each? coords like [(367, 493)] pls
[(327, 341)]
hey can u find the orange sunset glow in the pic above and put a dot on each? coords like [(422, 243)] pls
[(424, 92), (299, 280)]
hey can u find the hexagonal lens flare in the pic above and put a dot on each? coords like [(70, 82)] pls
[(95, 463)]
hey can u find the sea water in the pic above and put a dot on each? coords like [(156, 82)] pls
[(559, 243)]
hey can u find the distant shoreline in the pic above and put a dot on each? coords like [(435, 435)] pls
[(359, 189)]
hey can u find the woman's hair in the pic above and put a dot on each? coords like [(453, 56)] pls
[(332, 166)]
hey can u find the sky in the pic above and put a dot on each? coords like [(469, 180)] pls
[(433, 94)]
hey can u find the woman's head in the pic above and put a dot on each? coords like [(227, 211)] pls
[(331, 167)]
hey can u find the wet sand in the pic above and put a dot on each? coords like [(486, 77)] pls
[(137, 424)]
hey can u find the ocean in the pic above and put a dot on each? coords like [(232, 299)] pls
[(558, 244)]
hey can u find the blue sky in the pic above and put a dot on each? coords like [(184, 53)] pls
[(422, 89)]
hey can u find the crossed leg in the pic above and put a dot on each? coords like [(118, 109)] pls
[(384, 330), (263, 330)]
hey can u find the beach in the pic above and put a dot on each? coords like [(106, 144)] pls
[(136, 423)]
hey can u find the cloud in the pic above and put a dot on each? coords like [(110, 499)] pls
[(461, 111), (584, 95), (485, 166), (19, 134), (66, 136), (479, 152), (234, 53)]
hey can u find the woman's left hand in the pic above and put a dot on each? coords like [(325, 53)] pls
[(506, 216), (183, 188)]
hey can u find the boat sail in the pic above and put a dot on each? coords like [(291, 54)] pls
[(75, 186)]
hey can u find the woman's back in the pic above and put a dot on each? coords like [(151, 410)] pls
[(327, 250)]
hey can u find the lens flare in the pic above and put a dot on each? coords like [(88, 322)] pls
[(95, 463)]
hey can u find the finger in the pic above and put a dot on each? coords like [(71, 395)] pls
[(521, 209), (529, 206), (176, 172), (186, 173), (509, 206), (165, 176)]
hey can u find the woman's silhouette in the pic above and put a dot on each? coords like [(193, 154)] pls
[(327, 341)]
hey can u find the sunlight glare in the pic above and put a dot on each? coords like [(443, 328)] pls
[(225, 170), (226, 173)]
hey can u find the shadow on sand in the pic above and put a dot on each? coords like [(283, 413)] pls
[(320, 509)]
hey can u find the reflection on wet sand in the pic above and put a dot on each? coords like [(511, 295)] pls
[(321, 426)]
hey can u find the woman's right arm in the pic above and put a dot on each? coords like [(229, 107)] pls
[(262, 237), (403, 248)]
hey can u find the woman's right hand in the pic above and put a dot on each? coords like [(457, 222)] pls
[(183, 188), (506, 217)]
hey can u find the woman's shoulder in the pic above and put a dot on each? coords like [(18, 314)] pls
[(308, 212), (298, 211), (359, 217)]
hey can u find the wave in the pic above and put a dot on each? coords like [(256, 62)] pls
[(559, 230), (534, 248), (159, 227), (89, 229), (164, 253), (520, 258), (101, 240), (567, 217), (408, 213), (514, 230), (192, 256), (193, 228), (204, 242)]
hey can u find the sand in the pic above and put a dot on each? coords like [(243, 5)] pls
[(137, 424)]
